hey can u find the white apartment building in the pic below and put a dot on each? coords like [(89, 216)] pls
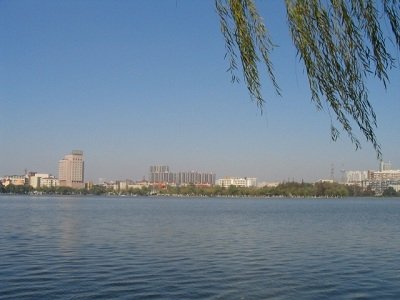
[(378, 181), (385, 166), (356, 177), (236, 181), (71, 170), (384, 175), (49, 182), (35, 179)]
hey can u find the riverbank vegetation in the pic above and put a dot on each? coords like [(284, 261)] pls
[(288, 189)]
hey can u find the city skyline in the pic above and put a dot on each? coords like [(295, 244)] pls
[(71, 172), (386, 180), (140, 83)]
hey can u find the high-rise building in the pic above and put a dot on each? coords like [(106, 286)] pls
[(194, 177), (384, 166), (162, 174), (356, 177), (71, 170)]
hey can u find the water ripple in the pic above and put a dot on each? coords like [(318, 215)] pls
[(104, 248)]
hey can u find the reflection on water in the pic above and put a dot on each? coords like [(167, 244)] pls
[(121, 248), (69, 228)]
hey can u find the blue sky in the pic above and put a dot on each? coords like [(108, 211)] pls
[(138, 83)]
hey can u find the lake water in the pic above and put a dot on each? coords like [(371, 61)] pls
[(208, 248)]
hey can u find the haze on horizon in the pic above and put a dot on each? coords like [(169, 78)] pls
[(140, 83)]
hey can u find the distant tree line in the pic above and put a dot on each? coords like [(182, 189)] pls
[(63, 190), (288, 189)]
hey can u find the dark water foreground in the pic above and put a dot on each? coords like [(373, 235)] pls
[(154, 248)]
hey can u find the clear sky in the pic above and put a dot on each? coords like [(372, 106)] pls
[(138, 83)]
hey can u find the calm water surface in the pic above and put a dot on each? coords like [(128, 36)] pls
[(176, 248)]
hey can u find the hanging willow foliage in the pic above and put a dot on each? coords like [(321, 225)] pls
[(341, 42)]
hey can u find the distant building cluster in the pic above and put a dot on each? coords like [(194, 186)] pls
[(70, 174), (14, 180), (124, 185), (376, 181), (162, 175), (379, 181)]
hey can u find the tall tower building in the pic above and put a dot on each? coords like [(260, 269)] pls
[(385, 166), (160, 174), (71, 170)]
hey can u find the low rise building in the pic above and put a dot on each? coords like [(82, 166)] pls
[(384, 175), (131, 185), (38, 180), (378, 181), (14, 180), (138, 185), (237, 181), (50, 181), (35, 179)]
